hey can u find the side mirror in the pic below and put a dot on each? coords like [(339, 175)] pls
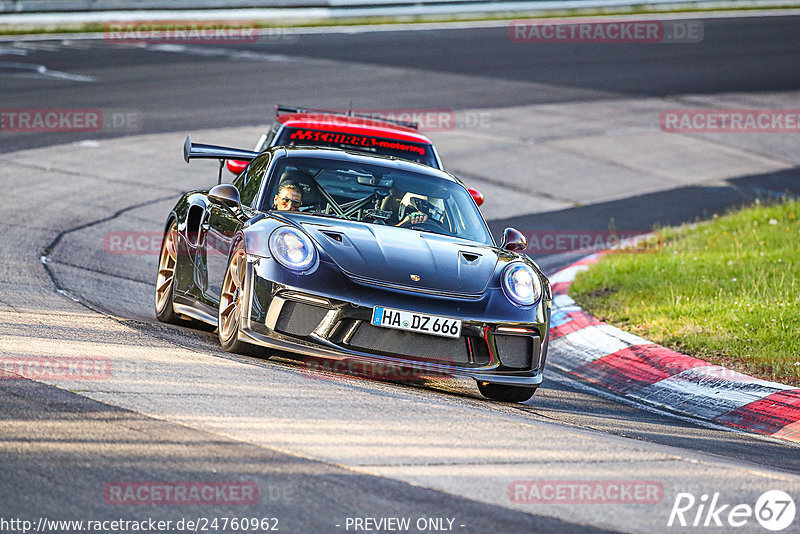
[(227, 195), (513, 240), (236, 166), (477, 196)]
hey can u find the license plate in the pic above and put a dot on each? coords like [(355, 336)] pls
[(421, 323)]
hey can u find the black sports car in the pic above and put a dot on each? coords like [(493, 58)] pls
[(339, 255)]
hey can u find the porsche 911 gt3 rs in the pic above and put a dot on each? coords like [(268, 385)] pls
[(338, 255)]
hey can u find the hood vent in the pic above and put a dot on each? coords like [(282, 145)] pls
[(336, 237), (469, 257)]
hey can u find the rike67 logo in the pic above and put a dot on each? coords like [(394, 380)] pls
[(774, 510)]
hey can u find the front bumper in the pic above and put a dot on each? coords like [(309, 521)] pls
[(327, 315)]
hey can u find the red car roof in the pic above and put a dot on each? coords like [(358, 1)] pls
[(352, 125)]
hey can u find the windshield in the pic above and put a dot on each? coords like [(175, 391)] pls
[(418, 152), (375, 194)]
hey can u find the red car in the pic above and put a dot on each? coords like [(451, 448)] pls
[(349, 131)]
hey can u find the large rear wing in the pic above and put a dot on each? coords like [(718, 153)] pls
[(292, 109), (200, 151)]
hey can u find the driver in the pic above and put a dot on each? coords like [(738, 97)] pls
[(289, 197), (416, 217), (393, 203)]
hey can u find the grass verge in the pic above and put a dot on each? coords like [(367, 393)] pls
[(725, 290)]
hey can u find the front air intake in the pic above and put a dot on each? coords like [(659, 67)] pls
[(517, 352), (299, 319)]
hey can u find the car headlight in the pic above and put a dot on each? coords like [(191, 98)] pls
[(292, 248), (521, 285)]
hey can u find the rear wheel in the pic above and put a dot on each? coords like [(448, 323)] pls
[(165, 280), (503, 393), (231, 304)]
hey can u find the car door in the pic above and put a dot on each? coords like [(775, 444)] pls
[(223, 224)]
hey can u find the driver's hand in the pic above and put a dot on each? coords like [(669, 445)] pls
[(414, 218)]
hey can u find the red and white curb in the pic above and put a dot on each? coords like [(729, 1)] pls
[(633, 367)]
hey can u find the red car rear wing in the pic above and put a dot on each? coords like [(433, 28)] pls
[(292, 109)]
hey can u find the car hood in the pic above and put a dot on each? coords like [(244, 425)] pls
[(399, 256)]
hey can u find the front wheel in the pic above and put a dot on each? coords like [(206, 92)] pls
[(503, 393), (165, 280), (231, 305)]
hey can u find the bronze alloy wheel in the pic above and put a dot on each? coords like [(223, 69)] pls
[(231, 305), (167, 262), (231, 298)]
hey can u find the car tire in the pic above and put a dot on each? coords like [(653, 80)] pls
[(503, 393), (165, 278), (231, 306)]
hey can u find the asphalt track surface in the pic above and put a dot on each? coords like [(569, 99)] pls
[(57, 445), (176, 92)]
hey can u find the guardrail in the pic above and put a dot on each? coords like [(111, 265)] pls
[(51, 6), (75, 6)]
